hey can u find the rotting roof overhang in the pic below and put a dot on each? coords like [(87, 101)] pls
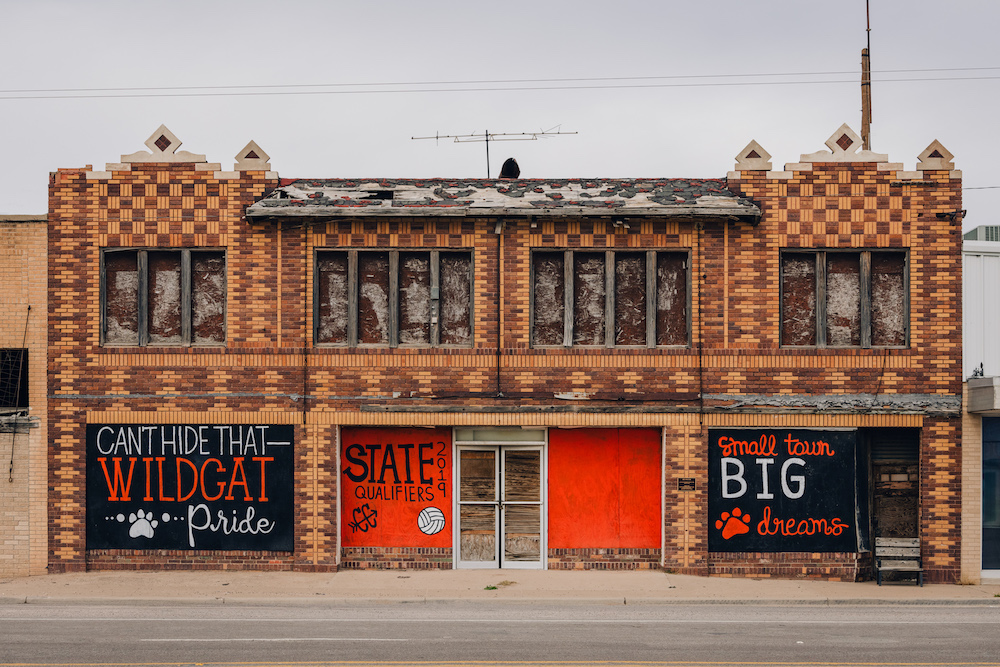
[(304, 199)]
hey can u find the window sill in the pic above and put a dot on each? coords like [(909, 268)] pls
[(333, 347), (831, 349), (161, 349)]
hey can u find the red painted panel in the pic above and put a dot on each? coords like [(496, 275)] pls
[(396, 487), (604, 488), (641, 485)]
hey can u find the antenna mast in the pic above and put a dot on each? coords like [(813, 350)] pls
[(487, 136), (866, 86)]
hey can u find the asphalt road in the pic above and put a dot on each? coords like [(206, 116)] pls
[(478, 632)]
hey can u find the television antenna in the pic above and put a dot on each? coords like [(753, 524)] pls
[(486, 137)]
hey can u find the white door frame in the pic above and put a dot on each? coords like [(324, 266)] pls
[(500, 447)]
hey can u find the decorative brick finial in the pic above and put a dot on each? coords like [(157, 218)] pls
[(844, 145), (163, 145), (753, 158), (252, 158), (935, 156)]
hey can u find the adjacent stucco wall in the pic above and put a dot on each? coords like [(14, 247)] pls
[(981, 354), (23, 544), (981, 260)]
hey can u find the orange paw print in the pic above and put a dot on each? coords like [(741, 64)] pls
[(733, 525)]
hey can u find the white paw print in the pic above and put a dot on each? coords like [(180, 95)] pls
[(142, 524)]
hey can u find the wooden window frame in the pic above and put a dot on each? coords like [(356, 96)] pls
[(865, 264), (353, 287), (143, 297), (609, 295)]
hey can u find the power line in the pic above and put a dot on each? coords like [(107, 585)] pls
[(482, 81), (480, 86)]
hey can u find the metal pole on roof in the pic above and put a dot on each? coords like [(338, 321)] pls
[(866, 86)]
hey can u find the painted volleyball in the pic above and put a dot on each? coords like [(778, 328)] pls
[(430, 521)]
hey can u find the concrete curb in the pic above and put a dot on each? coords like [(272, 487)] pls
[(360, 601)]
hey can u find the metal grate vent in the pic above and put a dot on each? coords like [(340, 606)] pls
[(899, 445)]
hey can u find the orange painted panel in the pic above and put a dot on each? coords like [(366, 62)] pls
[(604, 488), (396, 487), (641, 485)]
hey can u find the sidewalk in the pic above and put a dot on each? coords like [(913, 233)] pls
[(642, 587)]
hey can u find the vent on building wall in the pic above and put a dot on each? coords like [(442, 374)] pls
[(901, 445)]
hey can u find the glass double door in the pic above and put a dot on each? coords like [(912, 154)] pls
[(500, 507)]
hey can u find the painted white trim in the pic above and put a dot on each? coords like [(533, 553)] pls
[(456, 560), (340, 507), (500, 447), (970, 247)]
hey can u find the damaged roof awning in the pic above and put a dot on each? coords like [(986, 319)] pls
[(672, 197)]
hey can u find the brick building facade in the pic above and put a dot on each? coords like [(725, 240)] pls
[(742, 376), (23, 518)]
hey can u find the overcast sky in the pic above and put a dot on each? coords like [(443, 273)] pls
[(653, 88)]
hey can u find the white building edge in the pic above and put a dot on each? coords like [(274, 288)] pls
[(981, 427)]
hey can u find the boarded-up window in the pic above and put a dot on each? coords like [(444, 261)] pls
[(844, 299), (390, 298), (331, 292), (478, 479), (630, 299), (208, 297), (888, 298), (649, 295), (121, 298), (414, 298), (589, 299), (671, 299), (456, 298), (549, 285), (604, 488), (373, 298), (798, 293), (164, 297)]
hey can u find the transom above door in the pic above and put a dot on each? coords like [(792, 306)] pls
[(500, 500)]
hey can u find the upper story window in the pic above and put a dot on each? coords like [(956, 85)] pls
[(391, 298), (836, 298), (163, 297), (610, 298), (13, 378)]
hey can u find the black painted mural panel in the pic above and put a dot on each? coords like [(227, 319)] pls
[(190, 486), (782, 490)]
